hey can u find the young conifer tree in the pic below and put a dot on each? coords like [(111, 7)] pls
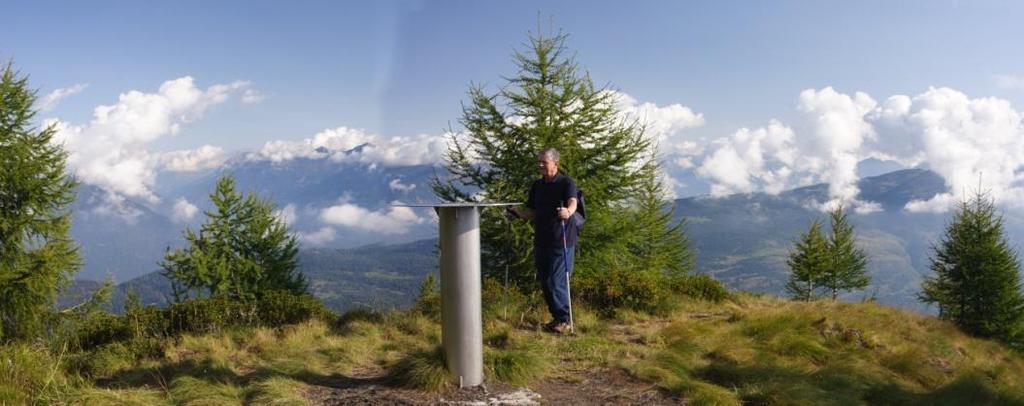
[(808, 262), (549, 102), (977, 275), (847, 263), (37, 254), (242, 251)]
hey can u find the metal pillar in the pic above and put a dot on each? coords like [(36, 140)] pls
[(461, 321), (461, 324)]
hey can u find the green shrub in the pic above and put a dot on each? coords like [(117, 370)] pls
[(701, 287), (359, 314), (101, 329), (617, 288), (280, 308), (145, 327), (102, 362), (505, 303), (428, 302)]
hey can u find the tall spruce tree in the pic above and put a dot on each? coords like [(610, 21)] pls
[(808, 262), (37, 254), (847, 263), (242, 251), (977, 275), (550, 103)]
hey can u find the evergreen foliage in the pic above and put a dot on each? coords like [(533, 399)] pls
[(832, 263), (550, 103), (808, 262), (976, 281), (847, 263), (37, 254), (242, 251)]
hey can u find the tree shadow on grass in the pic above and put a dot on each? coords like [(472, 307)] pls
[(970, 390), (161, 376), (769, 384)]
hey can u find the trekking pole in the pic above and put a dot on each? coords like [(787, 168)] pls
[(568, 290), (511, 252)]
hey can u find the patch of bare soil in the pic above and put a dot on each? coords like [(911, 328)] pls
[(604, 386)]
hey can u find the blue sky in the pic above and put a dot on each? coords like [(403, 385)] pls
[(402, 68)]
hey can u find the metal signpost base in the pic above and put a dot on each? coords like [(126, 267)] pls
[(461, 322)]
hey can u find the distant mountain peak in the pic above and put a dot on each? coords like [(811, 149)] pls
[(358, 149), (893, 190)]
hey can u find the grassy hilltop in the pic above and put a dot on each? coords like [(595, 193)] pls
[(746, 349)]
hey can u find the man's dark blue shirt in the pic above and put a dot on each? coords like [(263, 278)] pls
[(544, 199)]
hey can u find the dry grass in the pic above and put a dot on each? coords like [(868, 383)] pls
[(766, 350), (752, 349)]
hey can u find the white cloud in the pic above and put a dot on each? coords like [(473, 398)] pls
[(288, 214), (971, 143), (114, 205), (183, 211), (345, 144), (110, 151), (50, 101), (397, 185), (662, 123), (252, 96), (836, 132), (191, 160), (940, 203), (393, 220), (1012, 82), (862, 207), (321, 237), (751, 160)]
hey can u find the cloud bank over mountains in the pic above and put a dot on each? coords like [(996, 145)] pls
[(111, 151), (343, 144), (970, 142)]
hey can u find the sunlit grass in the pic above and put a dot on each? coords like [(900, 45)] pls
[(278, 391), (770, 351), (747, 350)]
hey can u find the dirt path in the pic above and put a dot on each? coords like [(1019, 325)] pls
[(595, 387)]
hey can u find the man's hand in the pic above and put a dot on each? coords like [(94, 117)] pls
[(565, 212), (512, 213)]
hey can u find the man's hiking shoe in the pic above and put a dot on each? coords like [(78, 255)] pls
[(561, 328), (549, 326)]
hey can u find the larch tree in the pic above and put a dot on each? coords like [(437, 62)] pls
[(242, 251), (37, 254), (976, 281), (807, 262), (549, 102)]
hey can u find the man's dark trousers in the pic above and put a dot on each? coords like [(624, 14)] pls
[(552, 264)]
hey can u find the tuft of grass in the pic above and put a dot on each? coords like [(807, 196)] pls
[(102, 362), (514, 366), (32, 374), (423, 369), (191, 391), (278, 391), (122, 397)]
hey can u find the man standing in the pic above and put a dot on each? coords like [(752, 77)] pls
[(550, 205)]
